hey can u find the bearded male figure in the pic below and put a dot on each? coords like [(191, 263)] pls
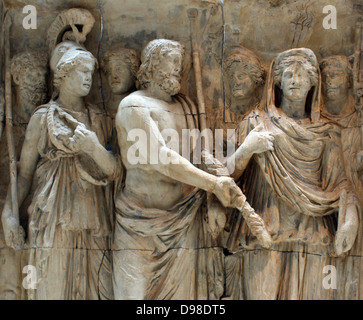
[(29, 72), (162, 249)]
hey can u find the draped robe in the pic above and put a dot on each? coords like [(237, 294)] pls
[(297, 190), (168, 254), (350, 268), (69, 222)]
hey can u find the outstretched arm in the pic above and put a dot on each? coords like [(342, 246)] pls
[(176, 167), (256, 142)]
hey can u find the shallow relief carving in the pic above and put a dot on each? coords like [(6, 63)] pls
[(291, 132)]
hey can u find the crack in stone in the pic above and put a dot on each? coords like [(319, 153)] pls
[(189, 249)]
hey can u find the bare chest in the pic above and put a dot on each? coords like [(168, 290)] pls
[(169, 117)]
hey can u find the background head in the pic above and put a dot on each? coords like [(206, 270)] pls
[(337, 77), (30, 75), (244, 72), (120, 65)]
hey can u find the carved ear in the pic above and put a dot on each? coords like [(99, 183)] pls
[(16, 79), (351, 59)]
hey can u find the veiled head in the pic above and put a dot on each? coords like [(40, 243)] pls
[(296, 72)]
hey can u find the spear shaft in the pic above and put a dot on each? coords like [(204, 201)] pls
[(9, 121), (358, 76)]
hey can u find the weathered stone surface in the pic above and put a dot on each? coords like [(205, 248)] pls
[(263, 226)]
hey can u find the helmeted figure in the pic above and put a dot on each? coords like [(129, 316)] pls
[(65, 159)]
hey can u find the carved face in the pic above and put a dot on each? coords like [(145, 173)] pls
[(295, 82), (119, 76), (168, 73), (336, 83), (242, 86), (32, 77), (79, 80), (31, 87), (171, 63)]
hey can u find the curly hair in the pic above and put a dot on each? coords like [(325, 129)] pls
[(128, 56), (28, 60), (246, 60), (289, 60), (340, 62), (151, 57)]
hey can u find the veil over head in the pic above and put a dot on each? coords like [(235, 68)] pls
[(315, 92)]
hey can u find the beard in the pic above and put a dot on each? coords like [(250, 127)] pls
[(170, 83), (34, 96)]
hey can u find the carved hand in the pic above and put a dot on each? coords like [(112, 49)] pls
[(228, 193), (14, 233), (344, 238), (84, 139), (347, 227), (259, 141)]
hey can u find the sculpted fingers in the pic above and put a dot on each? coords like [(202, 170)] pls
[(9, 236), (270, 146), (18, 239), (239, 201), (339, 245), (259, 128), (265, 142), (267, 136), (85, 139), (79, 132), (270, 137), (14, 238), (344, 240), (228, 192)]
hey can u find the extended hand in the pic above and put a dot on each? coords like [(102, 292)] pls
[(347, 226), (228, 193), (344, 238), (259, 141)]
